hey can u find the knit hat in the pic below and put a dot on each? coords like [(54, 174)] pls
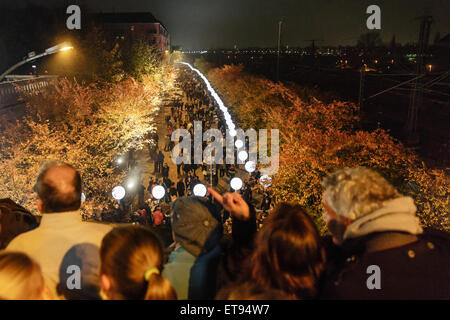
[(195, 223)]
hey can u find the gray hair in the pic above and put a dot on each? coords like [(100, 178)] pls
[(356, 192)]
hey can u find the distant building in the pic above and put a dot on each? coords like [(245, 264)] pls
[(136, 25)]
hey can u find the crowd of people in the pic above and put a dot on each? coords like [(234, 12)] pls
[(138, 206), (283, 256), (370, 223)]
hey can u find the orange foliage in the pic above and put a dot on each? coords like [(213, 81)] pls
[(88, 126), (317, 138)]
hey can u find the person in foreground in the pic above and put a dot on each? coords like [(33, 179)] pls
[(287, 254), (380, 250), (63, 244), (193, 262), (131, 265), (21, 278)]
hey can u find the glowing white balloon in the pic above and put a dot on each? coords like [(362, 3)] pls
[(233, 133), (118, 193), (199, 190), (242, 155), (158, 192), (130, 185), (239, 144), (250, 166), (265, 181), (236, 183)]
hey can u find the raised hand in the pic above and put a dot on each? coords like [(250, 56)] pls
[(233, 203)]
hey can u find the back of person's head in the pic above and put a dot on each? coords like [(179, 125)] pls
[(288, 253), (20, 277), (249, 291), (58, 186), (356, 192), (196, 224), (132, 261)]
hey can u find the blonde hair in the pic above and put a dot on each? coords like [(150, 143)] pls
[(127, 255), (20, 277), (356, 192)]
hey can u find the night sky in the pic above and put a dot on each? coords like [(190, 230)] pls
[(203, 24)]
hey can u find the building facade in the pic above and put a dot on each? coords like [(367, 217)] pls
[(136, 25)]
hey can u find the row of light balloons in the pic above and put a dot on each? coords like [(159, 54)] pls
[(158, 192)]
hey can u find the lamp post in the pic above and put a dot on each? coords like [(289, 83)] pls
[(32, 56)]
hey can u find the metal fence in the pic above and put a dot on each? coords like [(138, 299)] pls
[(11, 91)]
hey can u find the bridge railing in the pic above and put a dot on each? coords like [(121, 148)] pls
[(11, 91)]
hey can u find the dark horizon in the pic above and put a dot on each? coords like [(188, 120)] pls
[(202, 24)]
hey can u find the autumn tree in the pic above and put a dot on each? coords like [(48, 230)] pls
[(319, 138)]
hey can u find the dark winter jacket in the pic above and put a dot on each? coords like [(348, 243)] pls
[(414, 267)]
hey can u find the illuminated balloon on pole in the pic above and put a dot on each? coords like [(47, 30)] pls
[(250, 166), (158, 192), (236, 183), (239, 144), (265, 181), (243, 155), (118, 193), (199, 190)]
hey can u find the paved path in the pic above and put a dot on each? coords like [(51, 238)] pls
[(147, 164)]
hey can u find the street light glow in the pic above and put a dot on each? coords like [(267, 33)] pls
[(66, 48)]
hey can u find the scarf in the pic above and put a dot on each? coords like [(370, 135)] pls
[(394, 215)]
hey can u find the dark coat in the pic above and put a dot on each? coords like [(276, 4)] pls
[(14, 220), (181, 188), (237, 248), (417, 270)]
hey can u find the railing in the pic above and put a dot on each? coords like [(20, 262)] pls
[(11, 91)]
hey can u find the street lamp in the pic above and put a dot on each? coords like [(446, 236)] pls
[(32, 56)]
